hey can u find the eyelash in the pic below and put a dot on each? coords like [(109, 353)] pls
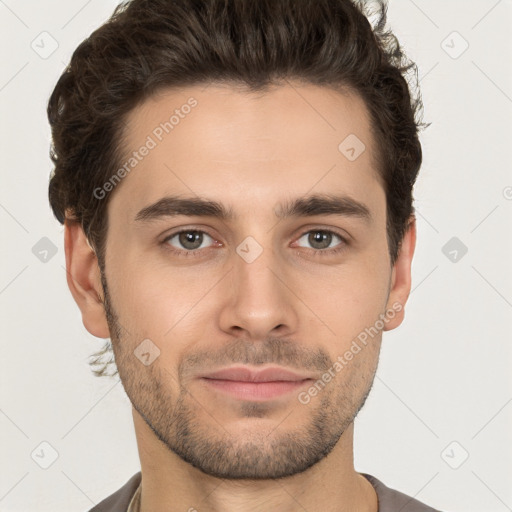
[(197, 252)]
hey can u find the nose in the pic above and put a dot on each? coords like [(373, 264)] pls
[(259, 301)]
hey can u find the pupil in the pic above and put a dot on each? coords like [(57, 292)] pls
[(190, 237), (320, 237)]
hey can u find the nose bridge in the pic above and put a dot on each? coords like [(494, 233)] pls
[(254, 278), (259, 300)]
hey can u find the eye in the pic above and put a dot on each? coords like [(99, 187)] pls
[(321, 239), (188, 240)]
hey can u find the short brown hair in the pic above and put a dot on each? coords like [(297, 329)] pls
[(148, 45)]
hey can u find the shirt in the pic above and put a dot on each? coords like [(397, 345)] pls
[(127, 498)]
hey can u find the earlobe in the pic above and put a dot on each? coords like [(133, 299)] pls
[(401, 278), (84, 280)]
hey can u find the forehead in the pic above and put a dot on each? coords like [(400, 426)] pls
[(235, 146)]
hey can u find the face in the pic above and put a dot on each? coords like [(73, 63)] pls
[(190, 291)]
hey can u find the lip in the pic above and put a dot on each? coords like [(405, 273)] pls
[(245, 374), (242, 383)]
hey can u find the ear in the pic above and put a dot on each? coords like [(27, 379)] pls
[(401, 277), (84, 279)]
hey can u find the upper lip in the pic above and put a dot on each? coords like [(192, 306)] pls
[(245, 374)]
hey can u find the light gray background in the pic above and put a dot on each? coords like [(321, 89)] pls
[(444, 375)]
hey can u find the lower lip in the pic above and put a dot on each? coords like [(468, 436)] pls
[(257, 391)]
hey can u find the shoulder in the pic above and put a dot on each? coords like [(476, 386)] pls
[(119, 500), (391, 500)]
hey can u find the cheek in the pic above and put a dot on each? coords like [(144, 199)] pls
[(159, 301), (348, 299), (155, 299), (350, 310)]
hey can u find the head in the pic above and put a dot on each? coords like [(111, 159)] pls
[(242, 111)]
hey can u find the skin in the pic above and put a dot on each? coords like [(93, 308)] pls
[(200, 449)]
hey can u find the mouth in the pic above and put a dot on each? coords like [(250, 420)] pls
[(242, 383), (256, 391)]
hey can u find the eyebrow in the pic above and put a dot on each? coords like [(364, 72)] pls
[(317, 204)]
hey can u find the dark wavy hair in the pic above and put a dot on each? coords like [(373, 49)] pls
[(148, 45)]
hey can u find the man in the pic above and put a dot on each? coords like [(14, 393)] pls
[(235, 179)]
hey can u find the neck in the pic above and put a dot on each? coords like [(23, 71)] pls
[(170, 484)]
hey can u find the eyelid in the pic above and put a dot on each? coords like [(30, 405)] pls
[(344, 235), (171, 235), (343, 238)]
